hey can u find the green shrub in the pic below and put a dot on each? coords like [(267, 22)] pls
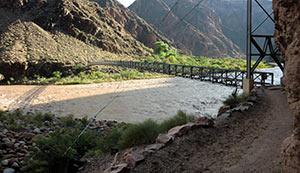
[(234, 99), (137, 134), (2, 115), (180, 119), (68, 121), (57, 74), (16, 127), (110, 141), (39, 118), (49, 154)]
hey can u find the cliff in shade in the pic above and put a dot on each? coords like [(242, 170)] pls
[(233, 16), (199, 32), (133, 24), (40, 36), (287, 35)]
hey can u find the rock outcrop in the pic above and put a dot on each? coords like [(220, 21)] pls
[(53, 34), (287, 35), (199, 32)]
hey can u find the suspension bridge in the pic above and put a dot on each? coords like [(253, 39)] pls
[(228, 77)]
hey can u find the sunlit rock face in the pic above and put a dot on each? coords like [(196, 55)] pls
[(287, 35), (53, 34)]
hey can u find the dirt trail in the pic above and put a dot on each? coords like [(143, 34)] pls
[(246, 142), (264, 153)]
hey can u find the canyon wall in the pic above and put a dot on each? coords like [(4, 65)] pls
[(287, 36)]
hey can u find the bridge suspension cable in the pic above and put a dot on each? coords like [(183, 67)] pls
[(196, 6), (171, 9)]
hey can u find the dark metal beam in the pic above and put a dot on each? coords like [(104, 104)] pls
[(258, 26), (249, 35), (261, 56), (264, 10)]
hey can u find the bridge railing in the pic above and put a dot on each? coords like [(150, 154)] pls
[(215, 75)]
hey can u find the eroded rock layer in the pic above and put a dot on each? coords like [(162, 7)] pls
[(200, 31), (287, 35), (53, 34)]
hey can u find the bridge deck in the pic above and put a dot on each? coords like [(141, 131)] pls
[(215, 75)]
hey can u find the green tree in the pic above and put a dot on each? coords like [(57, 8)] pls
[(160, 47)]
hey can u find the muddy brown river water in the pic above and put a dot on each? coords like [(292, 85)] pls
[(134, 101)]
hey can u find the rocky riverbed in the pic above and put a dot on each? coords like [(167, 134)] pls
[(16, 136)]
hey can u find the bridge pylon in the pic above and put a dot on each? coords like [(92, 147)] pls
[(263, 43)]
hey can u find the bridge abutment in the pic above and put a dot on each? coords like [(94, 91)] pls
[(248, 85)]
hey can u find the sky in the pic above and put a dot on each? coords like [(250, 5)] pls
[(126, 3)]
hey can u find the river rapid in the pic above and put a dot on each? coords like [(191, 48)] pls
[(130, 101)]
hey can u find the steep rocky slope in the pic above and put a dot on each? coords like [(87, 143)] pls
[(37, 37), (199, 32), (287, 33), (133, 24), (233, 16)]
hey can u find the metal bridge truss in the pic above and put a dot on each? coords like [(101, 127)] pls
[(268, 49), (228, 77)]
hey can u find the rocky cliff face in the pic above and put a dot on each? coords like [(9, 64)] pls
[(132, 23), (287, 34), (233, 15), (57, 33), (200, 32)]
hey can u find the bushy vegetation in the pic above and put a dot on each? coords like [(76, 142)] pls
[(17, 121), (166, 55), (50, 154), (234, 99), (142, 133), (180, 119), (90, 77)]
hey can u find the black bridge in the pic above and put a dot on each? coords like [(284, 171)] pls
[(214, 75)]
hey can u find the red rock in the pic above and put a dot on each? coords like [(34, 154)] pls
[(133, 158), (164, 139), (194, 125), (287, 37), (222, 110), (155, 147), (27, 135), (179, 130), (205, 122), (115, 158)]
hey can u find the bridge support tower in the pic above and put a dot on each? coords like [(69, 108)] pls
[(263, 43)]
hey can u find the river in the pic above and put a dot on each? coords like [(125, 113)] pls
[(132, 101)]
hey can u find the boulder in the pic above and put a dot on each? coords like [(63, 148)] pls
[(179, 130), (9, 170), (205, 122), (155, 147), (164, 139), (222, 110), (133, 158)]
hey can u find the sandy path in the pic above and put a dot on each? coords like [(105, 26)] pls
[(264, 153), (137, 99)]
